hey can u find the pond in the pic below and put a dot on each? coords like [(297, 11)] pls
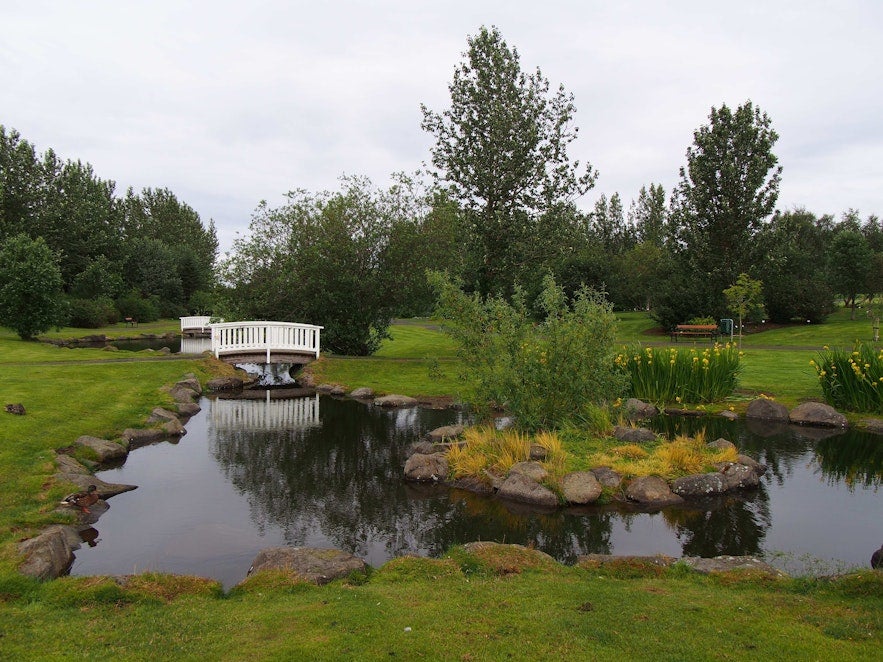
[(318, 471)]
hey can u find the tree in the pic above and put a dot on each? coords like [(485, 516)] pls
[(31, 301), (745, 300), (20, 182), (648, 215), (849, 262), (501, 147), (728, 187)]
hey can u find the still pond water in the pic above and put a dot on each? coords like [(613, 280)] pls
[(317, 471)]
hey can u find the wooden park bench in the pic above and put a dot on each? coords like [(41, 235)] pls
[(131, 321), (695, 331)]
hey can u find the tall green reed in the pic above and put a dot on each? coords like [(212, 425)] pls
[(851, 381)]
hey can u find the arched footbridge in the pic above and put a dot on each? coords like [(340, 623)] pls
[(265, 342)]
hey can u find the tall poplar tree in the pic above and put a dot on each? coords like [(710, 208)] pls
[(501, 148)]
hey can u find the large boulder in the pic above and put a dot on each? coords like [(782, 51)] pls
[(699, 485), (817, 413), (424, 468), (50, 554), (362, 393), (634, 435), (607, 477), (137, 437), (634, 409), (310, 564), (446, 432), (105, 451), (767, 410), (395, 401), (190, 382), (738, 476), (651, 491), (721, 444), (533, 470), (160, 415), (182, 393), (188, 409), (521, 488), (750, 462), (581, 487)]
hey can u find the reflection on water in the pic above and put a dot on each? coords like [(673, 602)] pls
[(325, 472)]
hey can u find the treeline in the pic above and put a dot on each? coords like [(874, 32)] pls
[(142, 255), (497, 213)]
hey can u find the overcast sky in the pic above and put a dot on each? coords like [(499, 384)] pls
[(231, 103)]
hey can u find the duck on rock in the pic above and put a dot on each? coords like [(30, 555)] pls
[(82, 500)]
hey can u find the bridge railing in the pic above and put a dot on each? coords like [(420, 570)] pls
[(195, 323), (250, 337)]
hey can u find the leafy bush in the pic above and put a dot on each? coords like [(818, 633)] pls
[(681, 375), (92, 313), (547, 374), (135, 306), (30, 287), (851, 381)]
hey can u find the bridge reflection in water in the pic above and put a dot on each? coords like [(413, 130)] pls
[(265, 415)]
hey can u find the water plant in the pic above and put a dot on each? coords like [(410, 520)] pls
[(681, 375), (851, 381)]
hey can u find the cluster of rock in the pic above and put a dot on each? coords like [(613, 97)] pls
[(815, 414), (50, 554)]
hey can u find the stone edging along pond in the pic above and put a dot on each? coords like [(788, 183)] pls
[(50, 554)]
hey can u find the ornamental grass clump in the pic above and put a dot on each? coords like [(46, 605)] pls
[(681, 456), (851, 381), (487, 449), (681, 375)]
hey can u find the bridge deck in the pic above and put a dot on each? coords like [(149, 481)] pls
[(265, 342)]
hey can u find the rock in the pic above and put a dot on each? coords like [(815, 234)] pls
[(877, 558), (729, 415), (731, 564), (224, 384), (165, 351), (599, 560), (473, 484), (446, 432), (395, 401), (521, 488), (188, 409), (137, 437), (106, 451), (817, 413), (635, 409), (767, 410), (160, 415), (757, 467), (680, 411), (17, 409), (739, 476), (538, 453), (533, 470), (699, 485), (504, 423), (506, 558), (607, 477), (310, 564), (721, 444), (174, 428), (362, 393), (634, 435), (651, 491), (50, 554), (423, 468), (872, 425), (325, 388), (181, 393), (105, 490), (338, 390), (581, 487), (192, 383), (68, 465), (495, 480)]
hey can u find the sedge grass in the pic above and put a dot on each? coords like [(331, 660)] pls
[(851, 381)]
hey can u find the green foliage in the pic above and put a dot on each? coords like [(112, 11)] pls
[(92, 313), (138, 308), (851, 381), (679, 375), (30, 287), (745, 300), (849, 262), (501, 148), (546, 374), (728, 187)]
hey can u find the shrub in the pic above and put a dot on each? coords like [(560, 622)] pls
[(135, 306), (851, 381), (546, 374), (92, 313), (681, 375)]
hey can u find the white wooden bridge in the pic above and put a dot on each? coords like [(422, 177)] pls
[(265, 342), (195, 325)]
